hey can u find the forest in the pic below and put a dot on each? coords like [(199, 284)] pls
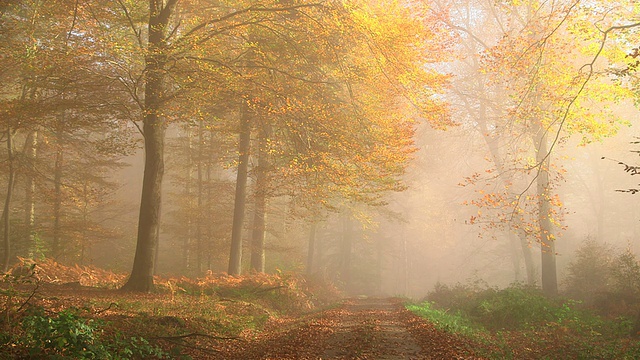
[(319, 179)]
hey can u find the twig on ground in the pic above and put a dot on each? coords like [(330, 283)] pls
[(106, 309), (195, 334)]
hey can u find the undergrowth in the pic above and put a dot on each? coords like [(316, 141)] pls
[(52, 311), (521, 323), (68, 335)]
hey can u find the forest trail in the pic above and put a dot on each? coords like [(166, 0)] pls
[(357, 329), (369, 329)]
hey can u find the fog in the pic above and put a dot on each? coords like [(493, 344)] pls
[(424, 235), (385, 148)]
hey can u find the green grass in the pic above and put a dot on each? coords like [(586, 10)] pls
[(451, 321)]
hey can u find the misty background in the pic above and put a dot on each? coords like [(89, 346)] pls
[(497, 128)]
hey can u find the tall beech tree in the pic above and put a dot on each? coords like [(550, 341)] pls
[(153, 130)]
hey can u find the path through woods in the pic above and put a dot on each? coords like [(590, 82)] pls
[(357, 329)]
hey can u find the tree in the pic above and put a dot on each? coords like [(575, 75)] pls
[(335, 106), (53, 92), (201, 197), (478, 104), (171, 44), (552, 98), (153, 129)]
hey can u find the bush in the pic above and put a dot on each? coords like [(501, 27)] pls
[(523, 323), (452, 297), (625, 274), (589, 274), (512, 308), (605, 280), (67, 335)]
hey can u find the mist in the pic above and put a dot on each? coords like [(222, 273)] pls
[(495, 142)]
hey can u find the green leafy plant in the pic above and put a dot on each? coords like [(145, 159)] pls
[(67, 335)]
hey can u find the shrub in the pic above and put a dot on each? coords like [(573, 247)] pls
[(625, 274), (589, 274), (452, 297), (67, 335), (605, 281), (512, 308)]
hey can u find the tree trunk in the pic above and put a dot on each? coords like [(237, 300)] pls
[(141, 278), (405, 267), (85, 220), (200, 202), (514, 241), (258, 235), (524, 243), (186, 246), (259, 215), (312, 247), (31, 148), (529, 265), (57, 194), (319, 251), (6, 214), (547, 241), (244, 145), (345, 251)]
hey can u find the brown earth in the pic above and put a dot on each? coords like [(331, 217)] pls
[(357, 329)]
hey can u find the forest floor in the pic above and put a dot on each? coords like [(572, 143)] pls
[(357, 329), (364, 328), (53, 311)]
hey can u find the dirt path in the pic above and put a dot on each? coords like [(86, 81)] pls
[(371, 329), (358, 329)]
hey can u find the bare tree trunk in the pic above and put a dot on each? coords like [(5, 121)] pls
[(258, 235), (31, 148), (85, 219), (200, 201), (529, 265), (186, 246), (525, 249), (405, 267), (57, 192), (141, 278), (6, 214), (345, 251), (515, 248), (319, 251), (260, 208), (207, 231), (312, 247), (244, 145), (547, 241)]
